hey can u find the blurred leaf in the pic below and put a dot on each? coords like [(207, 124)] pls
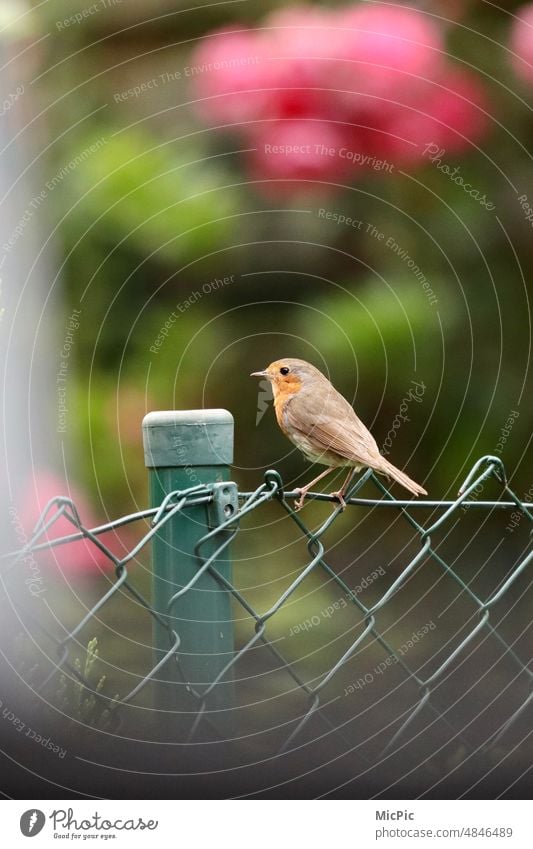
[(382, 326), (174, 205)]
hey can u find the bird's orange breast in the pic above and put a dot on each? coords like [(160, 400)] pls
[(284, 390)]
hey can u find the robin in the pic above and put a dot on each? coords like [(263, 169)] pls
[(324, 426)]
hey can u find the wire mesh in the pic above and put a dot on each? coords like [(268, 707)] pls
[(217, 541)]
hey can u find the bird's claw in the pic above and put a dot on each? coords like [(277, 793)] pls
[(299, 503), (302, 491), (340, 497)]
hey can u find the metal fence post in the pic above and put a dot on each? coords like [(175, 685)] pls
[(184, 449)]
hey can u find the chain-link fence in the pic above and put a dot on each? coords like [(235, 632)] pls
[(195, 607)]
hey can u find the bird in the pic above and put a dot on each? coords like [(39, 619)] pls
[(324, 426)]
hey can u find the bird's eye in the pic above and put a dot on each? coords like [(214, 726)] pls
[(284, 370)]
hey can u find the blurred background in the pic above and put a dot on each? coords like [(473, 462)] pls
[(189, 194)]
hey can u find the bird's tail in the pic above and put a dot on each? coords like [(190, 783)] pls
[(387, 468)]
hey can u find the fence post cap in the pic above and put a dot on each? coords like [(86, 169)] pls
[(174, 438)]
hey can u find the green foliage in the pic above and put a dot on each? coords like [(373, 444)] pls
[(74, 698), (157, 198), (67, 694)]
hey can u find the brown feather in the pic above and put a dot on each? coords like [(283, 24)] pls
[(328, 419)]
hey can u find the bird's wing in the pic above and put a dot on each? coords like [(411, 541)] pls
[(328, 419)]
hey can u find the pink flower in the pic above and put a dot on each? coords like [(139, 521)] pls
[(459, 110), (310, 43), (81, 556), (389, 49), (370, 81), (521, 43), (277, 71), (452, 114), (299, 150), (232, 75), (305, 33), (307, 46)]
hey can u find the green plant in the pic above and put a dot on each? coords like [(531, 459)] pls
[(88, 704)]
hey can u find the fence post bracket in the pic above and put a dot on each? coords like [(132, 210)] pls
[(225, 505)]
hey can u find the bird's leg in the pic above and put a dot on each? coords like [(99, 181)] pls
[(344, 488), (303, 490)]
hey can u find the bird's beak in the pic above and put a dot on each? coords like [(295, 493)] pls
[(259, 374)]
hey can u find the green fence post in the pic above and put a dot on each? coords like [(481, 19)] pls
[(183, 449)]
